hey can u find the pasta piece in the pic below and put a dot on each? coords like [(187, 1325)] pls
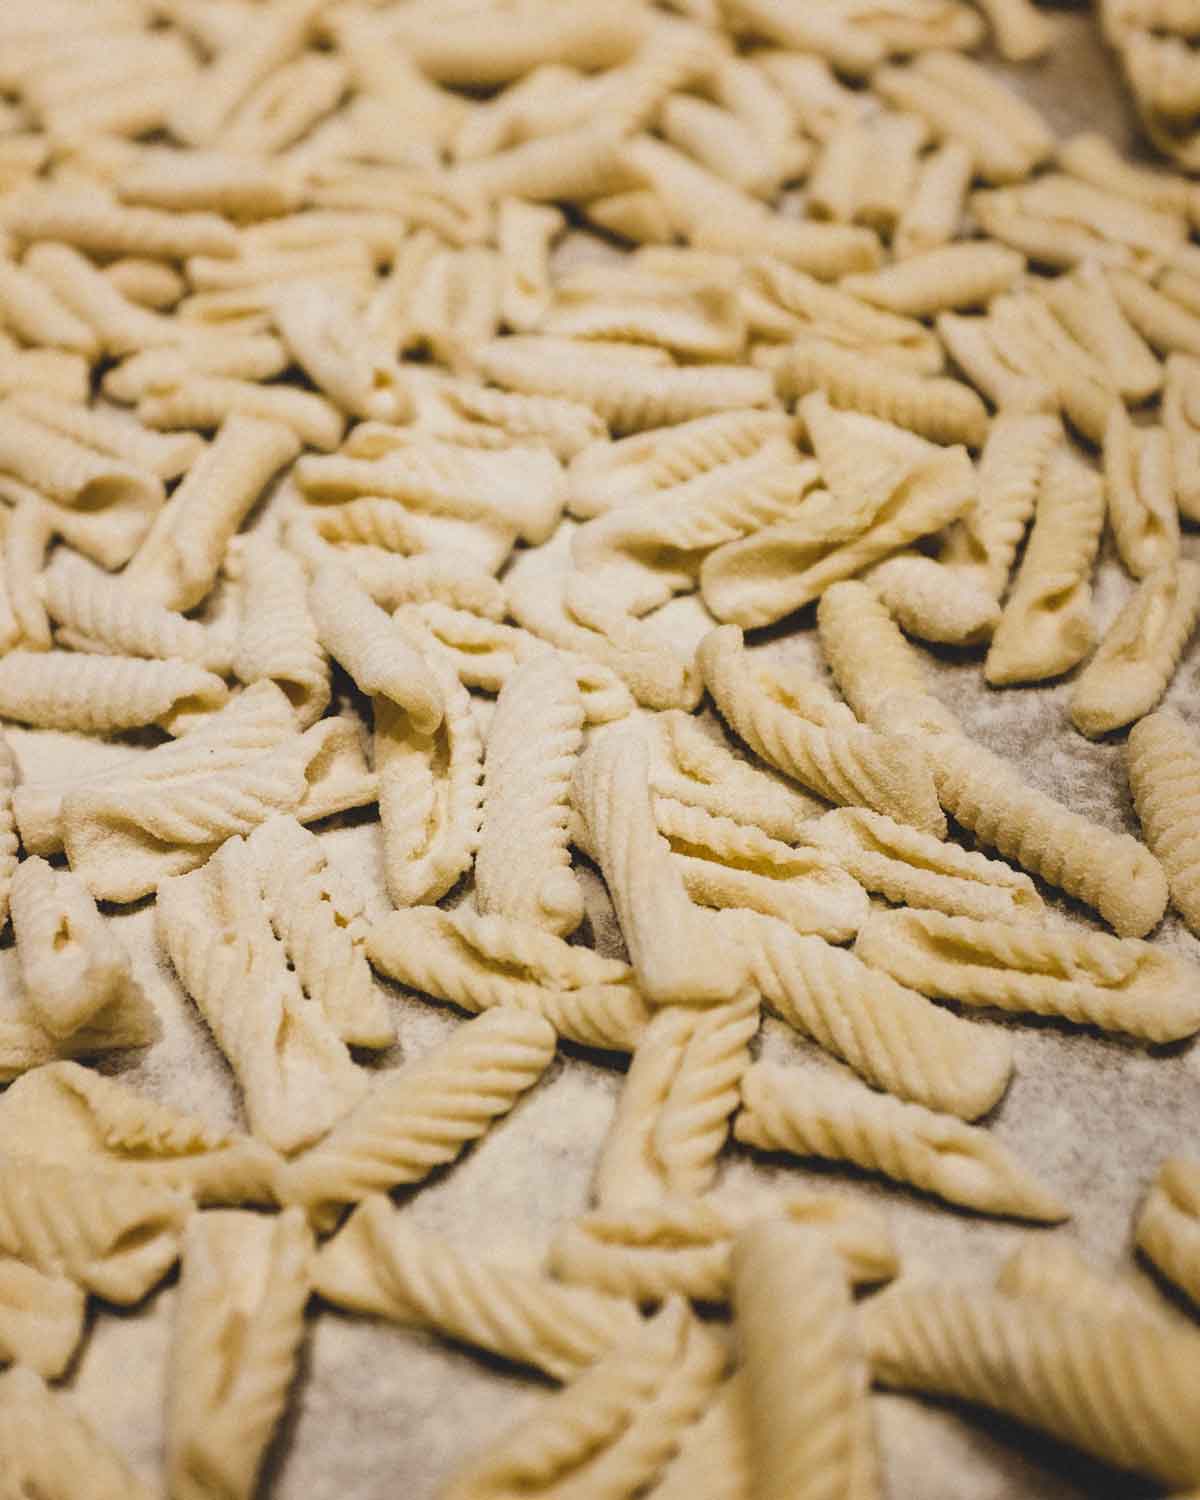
[(76, 1117), (806, 1374), (849, 48), (690, 317), (1021, 32), (935, 207), (714, 1453), (41, 1320), (839, 1119), (638, 215), (1119, 1388), (912, 868), (121, 326), (239, 1322), (1182, 433), (888, 1034), (1110, 872), (683, 1246), (376, 652), (614, 1428), (612, 795), (100, 694), (1163, 322), (1168, 1226), (25, 1043), (423, 1115), (244, 356), (807, 82), (1055, 1271), (26, 536), (211, 401), (1162, 760), (954, 276), (277, 638), (525, 233), (673, 1111), (68, 472), (325, 337), (935, 601), (534, 738), (847, 765), (40, 318), (1012, 383), (115, 435), (379, 1264), (1046, 627), (1141, 500), (999, 154), (1085, 305), (178, 562), (1117, 984), (1092, 158), (9, 842), (565, 427), (50, 1449), (238, 186), (480, 962), (1136, 660), (430, 791), (295, 1072), (99, 226), (149, 283), (49, 370), (942, 410)]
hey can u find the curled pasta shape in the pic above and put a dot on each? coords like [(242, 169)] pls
[(100, 694), (1084, 303), (40, 317), (1140, 491), (330, 344), (935, 601), (41, 1320), (65, 470), (277, 638), (1168, 1225), (210, 401), (1163, 759), (951, 277), (100, 226)]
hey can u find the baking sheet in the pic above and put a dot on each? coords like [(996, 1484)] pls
[(379, 1411)]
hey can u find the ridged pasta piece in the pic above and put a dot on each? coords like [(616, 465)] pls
[(838, 1119), (97, 613), (101, 694), (1162, 321), (1020, 30), (1118, 984), (533, 740), (951, 277), (76, 1117), (1000, 154), (51, 1450), (101, 226), (243, 356), (576, 164), (682, 1246), (430, 792), (68, 472), (935, 601), (692, 318), (524, 233), (940, 409), (277, 638), (495, 418), (805, 1368), (889, 1034), (73, 967), (673, 1110), (111, 433), (912, 868), (26, 532), (611, 793), (1084, 303), (425, 1114), (1183, 432), (1119, 1388), (210, 401), (116, 1238), (994, 366), (39, 317), (1110, 872), (238, 186), (1163, 761), (934, 210), (378, 1264), (854, 766), (1141, 502), (121, 325), (41, 1320), (327, 339), (239, 1322), (178, 562), (1046, 627), (451, 578), (295, 1072), (1136, 660), (25, 1043), (614, 1428), (378, 655), (1167, 1230), (319, 915)]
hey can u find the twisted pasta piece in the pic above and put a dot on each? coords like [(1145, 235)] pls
[(378, 1264), (856, 766), (295, 1072), (683, 1246), (429, 788), (424, 1115), (277, 637), (532, 744), (612, 795), (41, 1319), (889, 1034), (239, 1322), (479, 962), (1110, 872), (839, 1119), (103, 694), (117, 1238), (1163, 761), (1119, 1388), (1168, 1226), (914, 869), (805, 1369), (1120, 984), (1136, 660), (62, 1113)]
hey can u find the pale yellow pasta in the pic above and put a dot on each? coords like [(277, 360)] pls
[(714, 1453), (25, 1043), (1084, 303), (100, 694), (830, 35), (951, 276), (1183, 432), (935, 601), (998, 155), (50, 370), (637, 215), (993, 366), (379, 1263), (277, 637), (565, 427), (576, 164), (806, 1374), (1020, 30), (833, 187), (248, 357), (1046, 627), (1034, 341), (112, 434), (33, 311), (296, 1075), (237, 186), (211, 401), (847, 765), (102, 226), (728, 146), (121, 326), (1168, 1226), (1141, 502), (422, 1116), (935, 207), (266, 275), (1163, 323), (1054, 1270), (691, 318), (149, 283), (1162, 760), (888, 170), (41, 1321), (1010, 112), (239, 1323), (69, 473), (818, 100), (673, 1110), (26, 532), (178, 562), (1092, 158), (835, 1118), (1146, 232), (327, 340), (525, 233)]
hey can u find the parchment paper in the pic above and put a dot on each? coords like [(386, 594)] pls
[(380, 1413)]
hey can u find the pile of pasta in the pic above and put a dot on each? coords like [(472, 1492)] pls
[(1155, 43), (340, 472)]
